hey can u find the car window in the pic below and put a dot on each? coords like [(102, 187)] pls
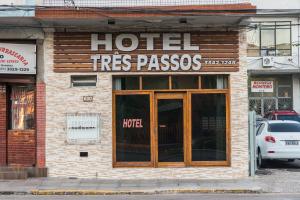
[(260, 129), (289, 117), (284, 127)]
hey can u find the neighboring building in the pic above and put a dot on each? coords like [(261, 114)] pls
[(22, 94), (147, 92), (273, 57)]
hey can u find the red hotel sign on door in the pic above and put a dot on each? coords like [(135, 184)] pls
[(262, 86)]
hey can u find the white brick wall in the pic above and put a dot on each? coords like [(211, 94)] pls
[(63, 159)]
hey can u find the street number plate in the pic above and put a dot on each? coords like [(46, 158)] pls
[(291, 142)]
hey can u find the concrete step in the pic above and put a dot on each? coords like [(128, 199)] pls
[(22, 172), (12, 175), (37, 172)]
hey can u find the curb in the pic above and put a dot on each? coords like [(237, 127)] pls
[(14, 193), (142, 192)]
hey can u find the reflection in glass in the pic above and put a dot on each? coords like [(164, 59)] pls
[(155, 82), (22, 107), (185, 82), (126, 83), (253, 39), (208, 127), (214, 82), (170, 130), (268, 39), (285, 103), (283, 39), (133, 128)]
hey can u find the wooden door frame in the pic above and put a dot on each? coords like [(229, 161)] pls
[(171, 95), (186, 95), (225, 163), (114, 143)]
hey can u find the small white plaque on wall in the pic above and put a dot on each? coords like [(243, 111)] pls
[(83, 128)]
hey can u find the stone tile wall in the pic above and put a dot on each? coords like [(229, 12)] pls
[(63, 159)]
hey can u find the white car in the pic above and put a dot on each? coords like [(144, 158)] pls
[(278, 139)]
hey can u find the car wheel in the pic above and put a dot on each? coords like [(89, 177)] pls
[(260, 160), (291, 160)]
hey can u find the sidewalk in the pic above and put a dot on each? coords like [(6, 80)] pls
[(58, 186), (267, 181)]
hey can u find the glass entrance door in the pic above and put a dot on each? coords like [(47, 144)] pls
[(170, 120)]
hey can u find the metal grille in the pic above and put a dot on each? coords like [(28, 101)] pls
[(135, 3), (285, 103), (269, 105), (83, 128), (255, 105)]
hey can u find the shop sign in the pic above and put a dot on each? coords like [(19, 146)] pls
[(146, 52), (17, 58), (262, 86), (171, 42)]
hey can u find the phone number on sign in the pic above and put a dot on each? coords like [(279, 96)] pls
[(18, 69), (220, 62)]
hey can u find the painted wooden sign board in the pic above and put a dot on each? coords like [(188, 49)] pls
[(146, 52)]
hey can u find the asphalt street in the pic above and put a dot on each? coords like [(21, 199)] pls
[(164, 197), (279, 164)]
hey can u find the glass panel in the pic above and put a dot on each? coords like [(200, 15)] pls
[(253, 38), (133, 128), (284, 25), (126, 83), (268, 39), (170, 130), (289, 117), (284, 91), (185, 82), (22, 107), (280, 52), (253, 52), (283, 39), (284, 127), (285, 103), (285, 80), (83, 81), (268, 52), (267, 25), (222, 82), (209, 82), (214, 82), (208, 127), (155, 82)]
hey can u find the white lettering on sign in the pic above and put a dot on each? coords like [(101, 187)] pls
[(262, 86), (17, 58), (150, 39), (154, 62)]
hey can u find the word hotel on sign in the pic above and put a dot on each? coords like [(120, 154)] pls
[(132, 123), (170, 42)]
